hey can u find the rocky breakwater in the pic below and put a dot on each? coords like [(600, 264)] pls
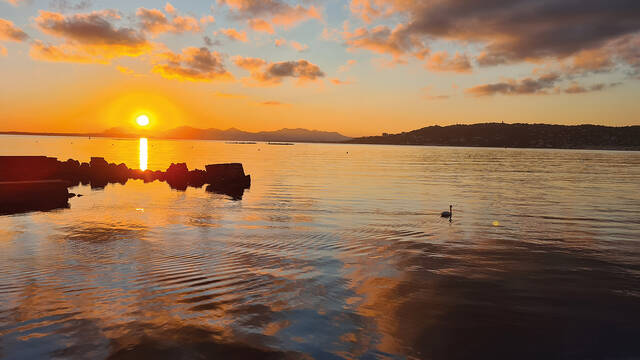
[(41, 183)]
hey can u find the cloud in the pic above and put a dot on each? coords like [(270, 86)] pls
[(576, 88), (275, 11), (62, 53), (10, 32), (340, 82), (170, 9), (264, 73), (207, 19), (3, 51), (89, 37), (193, 64), (347, 66), (512, 31), (294, 44), (272, 103), (234, 34), (299, 47), (368, 10), (210, 42), (155, 22), (66, 5), (229, 95), (125, 70), (16, 2), (441, 61), (249, 64), (384, 40), (526, 86), (261, 26), (427, 94)]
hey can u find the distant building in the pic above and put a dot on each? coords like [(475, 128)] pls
[(385, 134)]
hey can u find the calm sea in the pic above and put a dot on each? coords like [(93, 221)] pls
[(336, 251)]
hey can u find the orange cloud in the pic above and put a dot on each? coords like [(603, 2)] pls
[(229, 95), (346, 67), (3, 51), (208, 19), (299, 47), (235, 35), (125, 70), (10, 32), (193, 64), (261, 26), (88, 37), (429, 96), (368, 10), (170, 9), (266, 74), (383, 40), (249, 64), (341, 82), (15, 2), (441, 61), (294, 44), (61, 53), (276, 11), (155, 22), (272, 103), (295, 15), (527, 86)]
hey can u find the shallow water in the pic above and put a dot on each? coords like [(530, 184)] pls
[(336, 251)]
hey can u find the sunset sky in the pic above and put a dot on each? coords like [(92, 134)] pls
[(360, 67)]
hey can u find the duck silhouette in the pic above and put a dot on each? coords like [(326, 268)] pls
[(447, 214)]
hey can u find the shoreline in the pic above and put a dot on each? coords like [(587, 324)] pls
[(349, 142)]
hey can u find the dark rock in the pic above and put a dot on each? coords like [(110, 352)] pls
[(177, 176), (24, 168), (38, 195), (98, 163), (228, 179), (197, 178), (227, 175)]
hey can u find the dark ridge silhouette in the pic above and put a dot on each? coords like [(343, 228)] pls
[(31, 183), (190, 133), (516, 136)]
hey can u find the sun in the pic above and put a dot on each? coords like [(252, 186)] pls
[(142, 120)]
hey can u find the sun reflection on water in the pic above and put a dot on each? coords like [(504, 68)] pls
[(144, 154)]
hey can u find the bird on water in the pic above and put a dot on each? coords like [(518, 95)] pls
[(447, 214)]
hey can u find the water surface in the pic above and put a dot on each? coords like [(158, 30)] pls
[(336, 251)]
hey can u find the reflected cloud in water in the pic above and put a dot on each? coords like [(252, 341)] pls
[(349, 261)]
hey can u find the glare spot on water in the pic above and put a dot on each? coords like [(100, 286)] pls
[(496, 223)]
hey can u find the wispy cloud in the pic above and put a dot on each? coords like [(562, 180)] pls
[(234, 34), (10, 32)]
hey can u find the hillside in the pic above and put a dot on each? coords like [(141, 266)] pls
[(516, 136), (190, 133)]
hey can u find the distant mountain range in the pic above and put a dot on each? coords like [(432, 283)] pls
[(232, 134), (516, 136), (479, 135)]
